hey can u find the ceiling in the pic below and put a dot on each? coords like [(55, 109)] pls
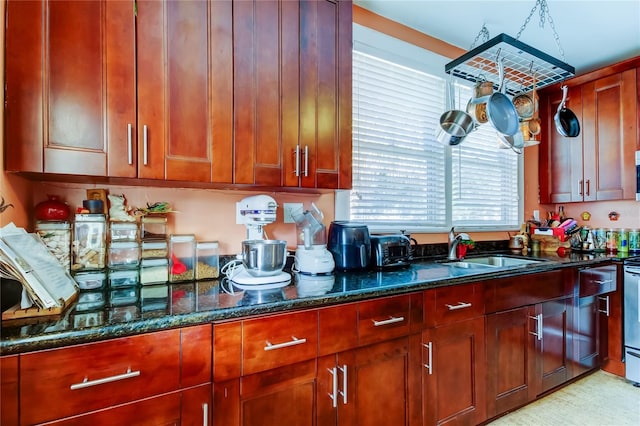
[(592, 33)]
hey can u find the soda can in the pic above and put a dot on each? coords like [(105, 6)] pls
[(634, 240)]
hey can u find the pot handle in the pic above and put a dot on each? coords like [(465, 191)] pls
[(565, 89)]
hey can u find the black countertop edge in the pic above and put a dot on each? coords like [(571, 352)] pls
[(10, 345)]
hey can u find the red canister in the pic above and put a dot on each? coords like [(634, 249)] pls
[(52, 209)]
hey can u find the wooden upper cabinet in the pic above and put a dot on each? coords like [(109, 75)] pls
[(180, 44), (598, 164), (70, 87)]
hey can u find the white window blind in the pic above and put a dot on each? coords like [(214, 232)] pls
[(403, 178)]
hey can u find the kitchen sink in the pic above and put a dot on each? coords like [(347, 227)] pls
[(500, 261), (469, 265)]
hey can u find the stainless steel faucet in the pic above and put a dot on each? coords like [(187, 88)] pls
[(452, 243)]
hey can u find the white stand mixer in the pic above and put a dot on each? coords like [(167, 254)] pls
[(255, 212), (312, 256)]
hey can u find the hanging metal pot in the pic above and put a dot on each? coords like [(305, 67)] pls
[(534, 123), (567, 123), (500, 110), (524, 104), (477, 109), (455, 124)]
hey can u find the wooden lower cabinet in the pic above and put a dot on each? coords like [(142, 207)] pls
[(9, 383), (368, 384), (453, 373), (528, 352)]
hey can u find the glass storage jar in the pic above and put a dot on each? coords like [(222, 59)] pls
[(623, 240), (123, 231), (57, 237), (123, 278), (124, 254), (154, 271), (154, 249), (94, 280), (153, 227), (634, 240), (88, 248), (207, 260), (182, 257)]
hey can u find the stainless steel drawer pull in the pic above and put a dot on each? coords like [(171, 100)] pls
[(343, 392), (602, 281), (86, 383), (295, 341), (391, 320), (429, 363), (129, 144), (460, 305), (334, 386), (606, 301), (205, 414), (538, 332), (296, 153)]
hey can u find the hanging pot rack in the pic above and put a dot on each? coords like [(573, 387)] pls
[(520, 60)]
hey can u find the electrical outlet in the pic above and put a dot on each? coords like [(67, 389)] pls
[(289, 209)]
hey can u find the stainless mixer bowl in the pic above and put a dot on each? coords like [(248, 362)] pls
[(263, 258)]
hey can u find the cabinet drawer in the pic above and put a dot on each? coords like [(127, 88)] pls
[(338, 328), (600, 280), (454, 303), (279, 340), (63, 382), (383, 319)]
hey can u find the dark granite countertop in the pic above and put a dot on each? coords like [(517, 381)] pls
[(121, 312)]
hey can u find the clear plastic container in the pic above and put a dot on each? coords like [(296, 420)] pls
[(89, 246), (57, 237), (154, 271), (154, 249), (153, 227), (123, 231), (91, 280), (182, 255), (124, 254), (207, 260), (123, 278)]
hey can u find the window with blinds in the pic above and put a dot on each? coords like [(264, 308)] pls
[(403, 178)]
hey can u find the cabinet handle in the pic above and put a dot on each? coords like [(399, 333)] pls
[(306, 160), (129, 144), (581, 187), (601, 282), (293, 342), (606, 302), (296, 153), (334, 387), (460, 305), (588, 187), (538, 332), (429, 363), (343, 392), (205, 414), (86, 383), (144, 144), (391, 320)]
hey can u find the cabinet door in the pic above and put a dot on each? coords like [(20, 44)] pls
[(454, 373), (554, 343), (587, 335), (9, 390), (71, 87), (511, 360), (282, 396), (610, 116), (177, 89), (561, 158), (325, 95), (386, 384), (196, 406), (265, 81)]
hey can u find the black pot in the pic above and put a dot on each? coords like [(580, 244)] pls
[(567, 123)]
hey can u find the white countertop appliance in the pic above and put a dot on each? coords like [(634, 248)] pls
[(312, 256)]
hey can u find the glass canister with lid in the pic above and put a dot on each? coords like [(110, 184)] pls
[(207, 260), (182, 257), (89, 245), (57, 237), (634, 240)]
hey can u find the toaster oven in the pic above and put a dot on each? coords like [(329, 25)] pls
[(390, 251)]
